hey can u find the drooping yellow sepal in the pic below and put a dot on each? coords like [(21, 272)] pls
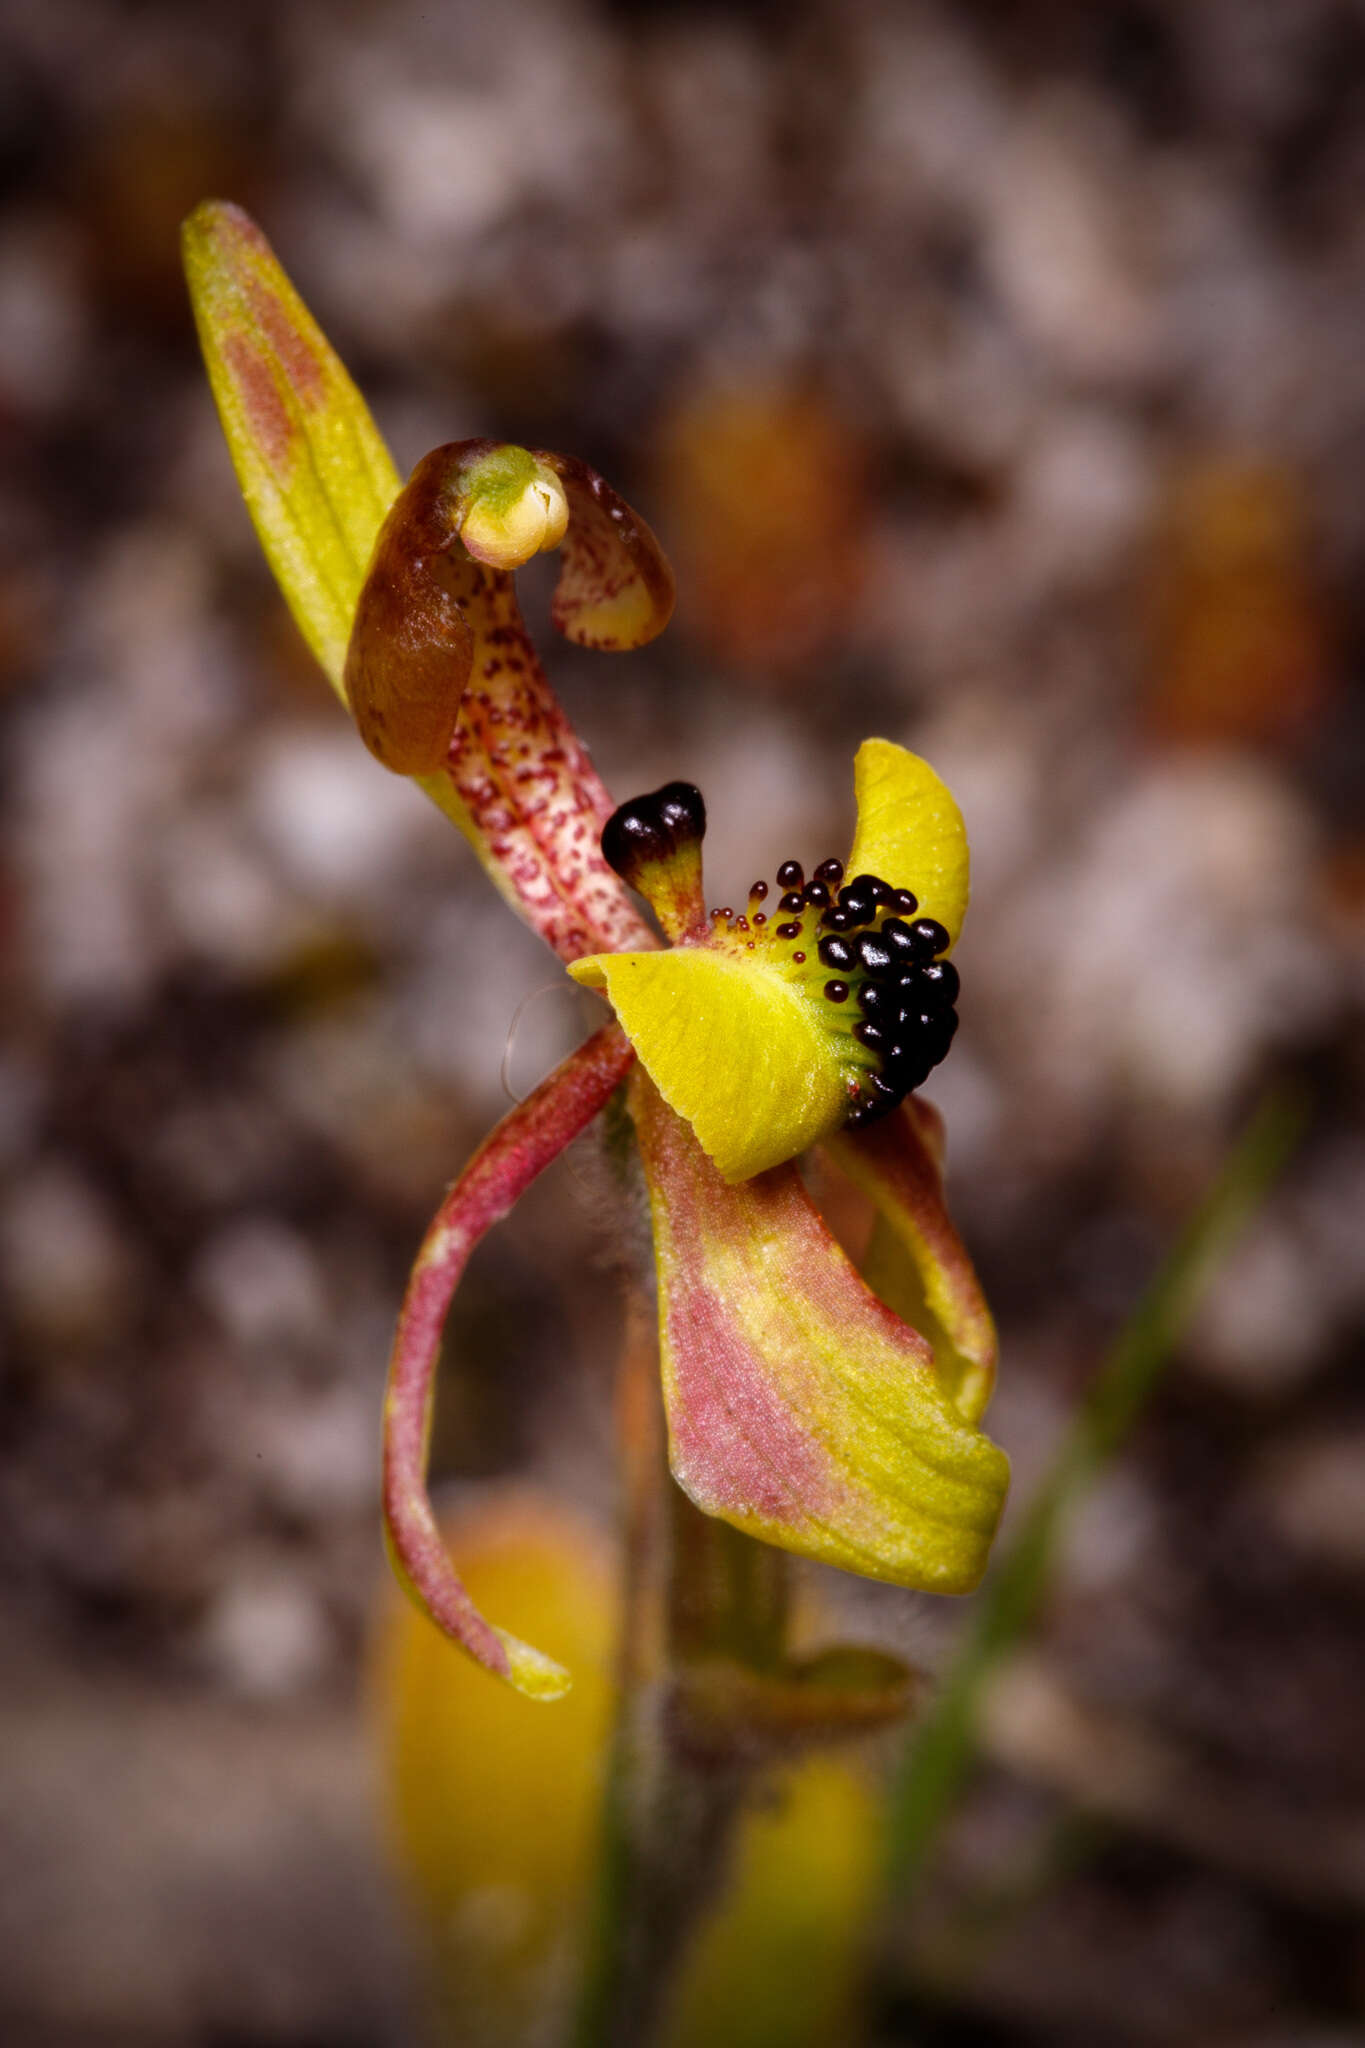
[(800, 1408), (736, 1050), (910, 831)]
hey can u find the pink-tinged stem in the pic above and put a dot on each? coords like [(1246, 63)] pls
[(523, 1144)]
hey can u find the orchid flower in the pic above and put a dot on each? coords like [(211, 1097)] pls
[(801, 1406)]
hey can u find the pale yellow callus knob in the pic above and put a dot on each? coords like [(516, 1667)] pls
[(516, 508)]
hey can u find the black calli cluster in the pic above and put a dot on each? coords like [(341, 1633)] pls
[(885, 960)]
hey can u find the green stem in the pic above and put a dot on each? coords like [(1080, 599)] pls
[(607, 1948), (728, 1595), (640, 1430), (940, 1752)]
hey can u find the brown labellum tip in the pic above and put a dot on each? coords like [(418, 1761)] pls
[(411, 647)]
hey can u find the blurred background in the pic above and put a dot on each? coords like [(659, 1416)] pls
[(994, 375)]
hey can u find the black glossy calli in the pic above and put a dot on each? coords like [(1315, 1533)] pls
[(653, 828)]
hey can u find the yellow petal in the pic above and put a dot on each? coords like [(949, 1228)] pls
[(312, 466), (735, 1049), (910, 831)]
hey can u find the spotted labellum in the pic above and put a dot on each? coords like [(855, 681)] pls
[(822, 1004), (803, 1407), (881, 976)]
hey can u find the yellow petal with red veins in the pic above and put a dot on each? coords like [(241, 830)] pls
[(910, 831), (742, 1054), (312, 466)]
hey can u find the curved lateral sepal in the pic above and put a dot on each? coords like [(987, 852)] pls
[(523, 1144)]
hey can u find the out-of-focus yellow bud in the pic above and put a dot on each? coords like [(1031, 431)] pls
[(777, 1964), (493, 1802), (494, 1807)]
